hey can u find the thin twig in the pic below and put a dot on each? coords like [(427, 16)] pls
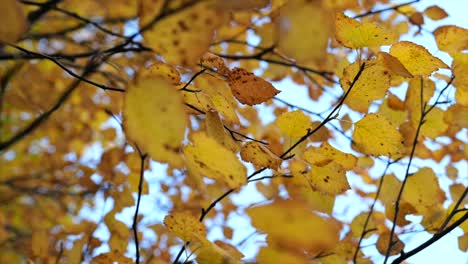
[(135, 216)]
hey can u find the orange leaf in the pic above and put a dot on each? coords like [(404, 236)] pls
[(250, 89)]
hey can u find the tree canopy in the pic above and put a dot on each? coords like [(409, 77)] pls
[(282, 131)]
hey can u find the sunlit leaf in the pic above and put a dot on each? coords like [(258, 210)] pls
[(393, 64), (419, 88), (371, 85), (451, 38), (326, 153), (259, 155), (416, 58), (435, 12), (214, 161), (375, 135), (434, 124), (460, 71), (248, 88), (154, 118), (354, 34), (330, 179), (184, 225), (294, 124)]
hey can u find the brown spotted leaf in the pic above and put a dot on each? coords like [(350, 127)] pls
[(250, 89)]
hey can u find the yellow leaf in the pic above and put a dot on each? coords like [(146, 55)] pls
[(388, 195), (73, 255), (456, 191), (219, 95), (413, 97), (299, 188), (294, 124), (434, 124), (304, 43), (423, 191), (354, 34), (259, 155), (182, 38), (215, 129), (326, 154), (248, 88), (416, 58), (456, 115), (214, 161), (346, 122), (375, 135), (395, 116), (184, 225), (329, 179), (215, 62), (111, 257), (341, 4), (463, 242), (164, 70), (272, 254), (371, 85), (435, 12), (197, 101), (293, 218), (216, 253), (451, 38), (40, 243), (460, 71), (154, 118), (14, 22), (393, 64), (405, 209), (358, 222), (383, 241)]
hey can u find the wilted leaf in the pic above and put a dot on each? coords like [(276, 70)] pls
[(435, 12), (248, 88)]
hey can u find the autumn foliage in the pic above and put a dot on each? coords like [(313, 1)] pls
[(282, 131)]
